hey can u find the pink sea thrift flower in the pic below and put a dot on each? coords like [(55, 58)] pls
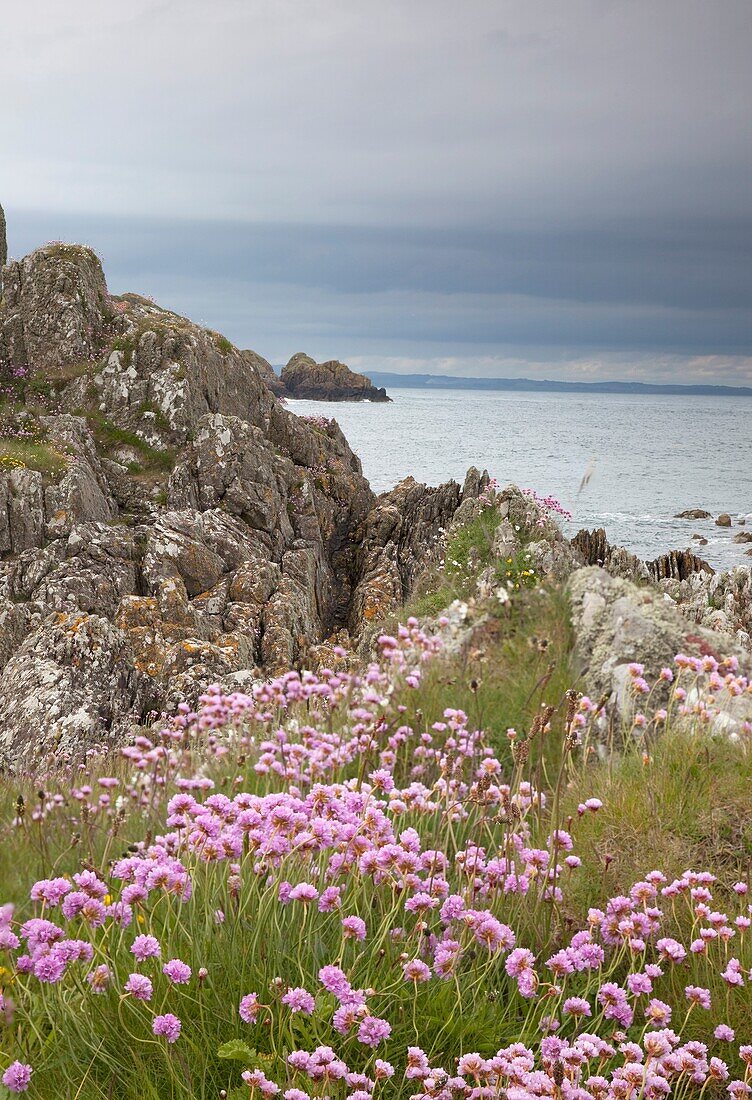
[(373, 1030), (354, 928), (177, 971), (145, 947), (416, 971), (167, 1026), (17, 1077), (249, 1008), (139, 986), (299, 1000)]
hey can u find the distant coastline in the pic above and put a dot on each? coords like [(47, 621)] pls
[(534, 385)]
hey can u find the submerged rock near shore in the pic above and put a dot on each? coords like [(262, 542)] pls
[(304, 378)]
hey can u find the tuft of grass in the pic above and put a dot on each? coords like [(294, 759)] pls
[(223, 344), (470, 549), (109, 435), (157, 415), (32, 455)]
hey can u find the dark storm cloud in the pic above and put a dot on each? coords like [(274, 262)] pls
[(492, 181)]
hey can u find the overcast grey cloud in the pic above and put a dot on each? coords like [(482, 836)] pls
[(489, 187)]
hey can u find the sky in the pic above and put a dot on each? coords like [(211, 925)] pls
[(547, 188)]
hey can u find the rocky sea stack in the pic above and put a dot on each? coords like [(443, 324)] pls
[(332, 381)]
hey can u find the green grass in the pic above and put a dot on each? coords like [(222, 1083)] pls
[(157, 416), (516, 659), (223, 344), (684, 803), (33, 455), (109, 435), (470, 549)]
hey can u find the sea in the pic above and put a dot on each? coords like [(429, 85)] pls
[(648, 457)]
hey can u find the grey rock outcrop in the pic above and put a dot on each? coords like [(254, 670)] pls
[(3, 247), (616, 623), (268, 375), (72, 683), (169, 524), (56, 309), (402, 535), (675, 565)]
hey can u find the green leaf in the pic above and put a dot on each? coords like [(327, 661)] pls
[(237, 1050)]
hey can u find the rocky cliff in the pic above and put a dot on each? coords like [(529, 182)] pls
[(165, 522), (3, 247), (304, 378)]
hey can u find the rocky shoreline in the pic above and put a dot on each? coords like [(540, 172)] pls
[(166, 523)]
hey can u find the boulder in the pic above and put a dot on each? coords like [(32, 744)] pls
[(743, 536), (617, 623), (304, 378), (56, 309), (724, 520), (693, 513), (70, 685)]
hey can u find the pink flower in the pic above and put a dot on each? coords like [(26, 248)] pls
[(303, 892), (139, 986), (99, 978), (299, 1000), (416, 971), (177, 971), (17, 1077), (145, 947), (696, 995), (354, 928), (577, 1006), (372, 1030), (167, 1026), (249, 1008)]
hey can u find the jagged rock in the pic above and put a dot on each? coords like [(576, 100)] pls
[(722, 601), (398, 542), (3, 247), (232, 465), (304, 378), (595, 549), (724, 520), (617, 622), (270, 378), (90, 570), (743, 536), (675, 565), (693, 513), (21, 510), (57, 311)]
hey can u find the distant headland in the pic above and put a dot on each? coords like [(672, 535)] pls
[(535, 385)]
